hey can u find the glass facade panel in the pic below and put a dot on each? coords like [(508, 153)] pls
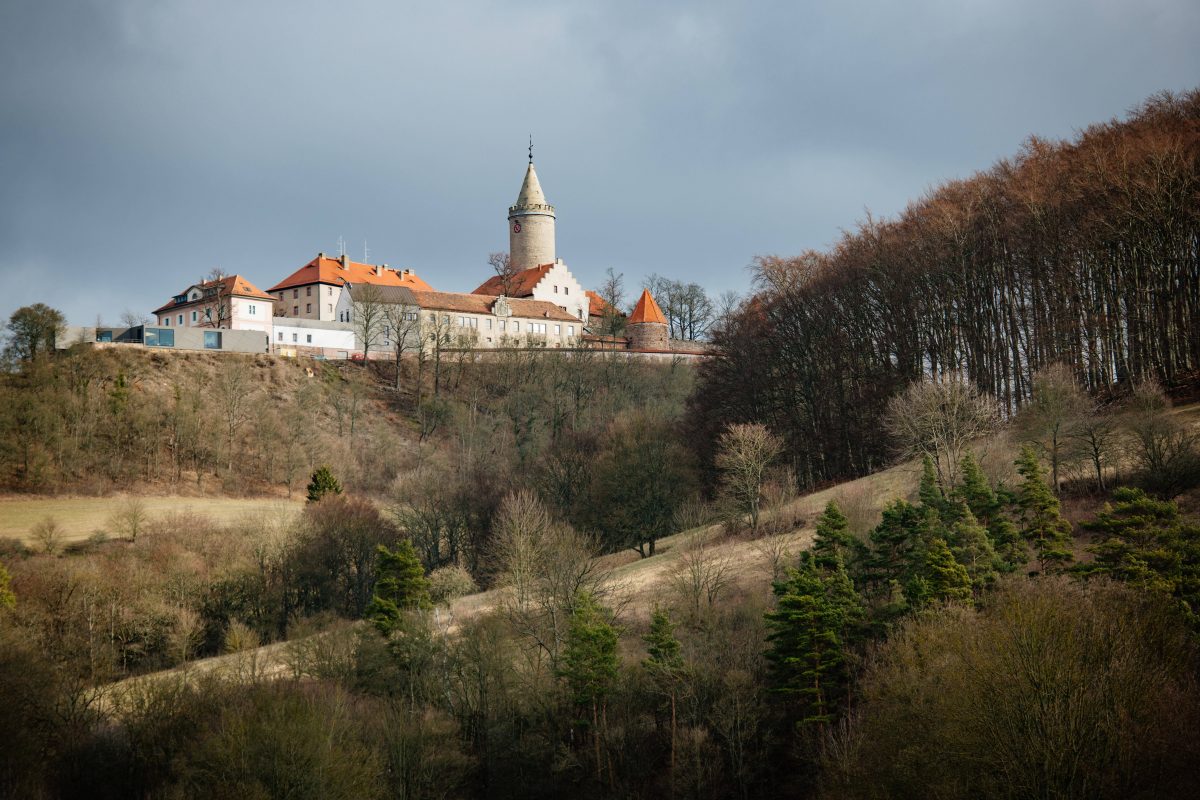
[(212, 340), (159, 337)]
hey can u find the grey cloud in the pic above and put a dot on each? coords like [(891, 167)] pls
[(144, 143)]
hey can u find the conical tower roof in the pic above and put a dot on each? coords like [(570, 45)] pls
[(647, 310), (531, 190)]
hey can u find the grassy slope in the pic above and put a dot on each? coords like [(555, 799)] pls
[(80, 517), (639, 583)]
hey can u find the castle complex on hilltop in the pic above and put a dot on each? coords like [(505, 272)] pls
[(333, 307)]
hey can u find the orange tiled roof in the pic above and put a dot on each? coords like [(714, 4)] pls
[(520, 285), (482, 304), (231, 286), (323, 269), (647, 310), (598, 306)]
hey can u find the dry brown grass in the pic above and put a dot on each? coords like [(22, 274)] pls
[(81, 517)]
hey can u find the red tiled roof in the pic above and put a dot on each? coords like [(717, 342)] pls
[(231, 286), (598, 306), (647, 310), (519, 285), (323, 269), (482, 304)]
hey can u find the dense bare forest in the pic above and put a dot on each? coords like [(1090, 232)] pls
[(1085, 252)]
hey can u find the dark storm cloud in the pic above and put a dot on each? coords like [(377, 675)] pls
[(144, 143)]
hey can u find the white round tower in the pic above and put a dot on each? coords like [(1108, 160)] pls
[(530, 224)]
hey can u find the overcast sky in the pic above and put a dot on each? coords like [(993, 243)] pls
[(145, 142)]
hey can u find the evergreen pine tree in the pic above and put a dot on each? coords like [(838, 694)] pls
[(896, 547), (833, 539), (976, 492), (401, 586), (947, 579), (988, 509), (323, 482), (1043, 523), (665, 666), (589, 663), (930, 491), (973, 549), (1146, 543), (807, 637), (664, 649)]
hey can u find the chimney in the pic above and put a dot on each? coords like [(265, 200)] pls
[(342, 258), (321, 254)]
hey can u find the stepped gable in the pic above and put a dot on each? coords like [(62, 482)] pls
[(340, 271), (520, 285), (647, 310)]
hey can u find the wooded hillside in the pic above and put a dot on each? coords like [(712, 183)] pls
[(1085, 252)]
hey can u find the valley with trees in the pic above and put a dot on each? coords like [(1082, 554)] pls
[(925, 522)]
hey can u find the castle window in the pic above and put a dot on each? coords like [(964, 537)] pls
[(181, 319), (295, 293), (295, 309), (251, 308), (570, 330), (556, 290), (295, 337), (193, 316), (308, 291), (566, 290), (281, 336), (308, 338), (558, 330), (308, 308)]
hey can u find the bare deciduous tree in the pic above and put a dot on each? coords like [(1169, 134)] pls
[(502, 265), (744, 452), (130, 518), (402, 328), (1050, 418), (940, 419), (367, 315)]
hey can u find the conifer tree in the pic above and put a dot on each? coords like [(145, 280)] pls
[(1043, 523), (973, 549), (988, 509), (833, 539), (976, 492), (946, 578), (664, 649), (807, 635), (665, 666), (897, 550), (323, 483), (401, 586), (930, 491), (1146, 543), (589, 664)]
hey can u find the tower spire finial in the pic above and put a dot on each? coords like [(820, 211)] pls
[(531, 148)]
